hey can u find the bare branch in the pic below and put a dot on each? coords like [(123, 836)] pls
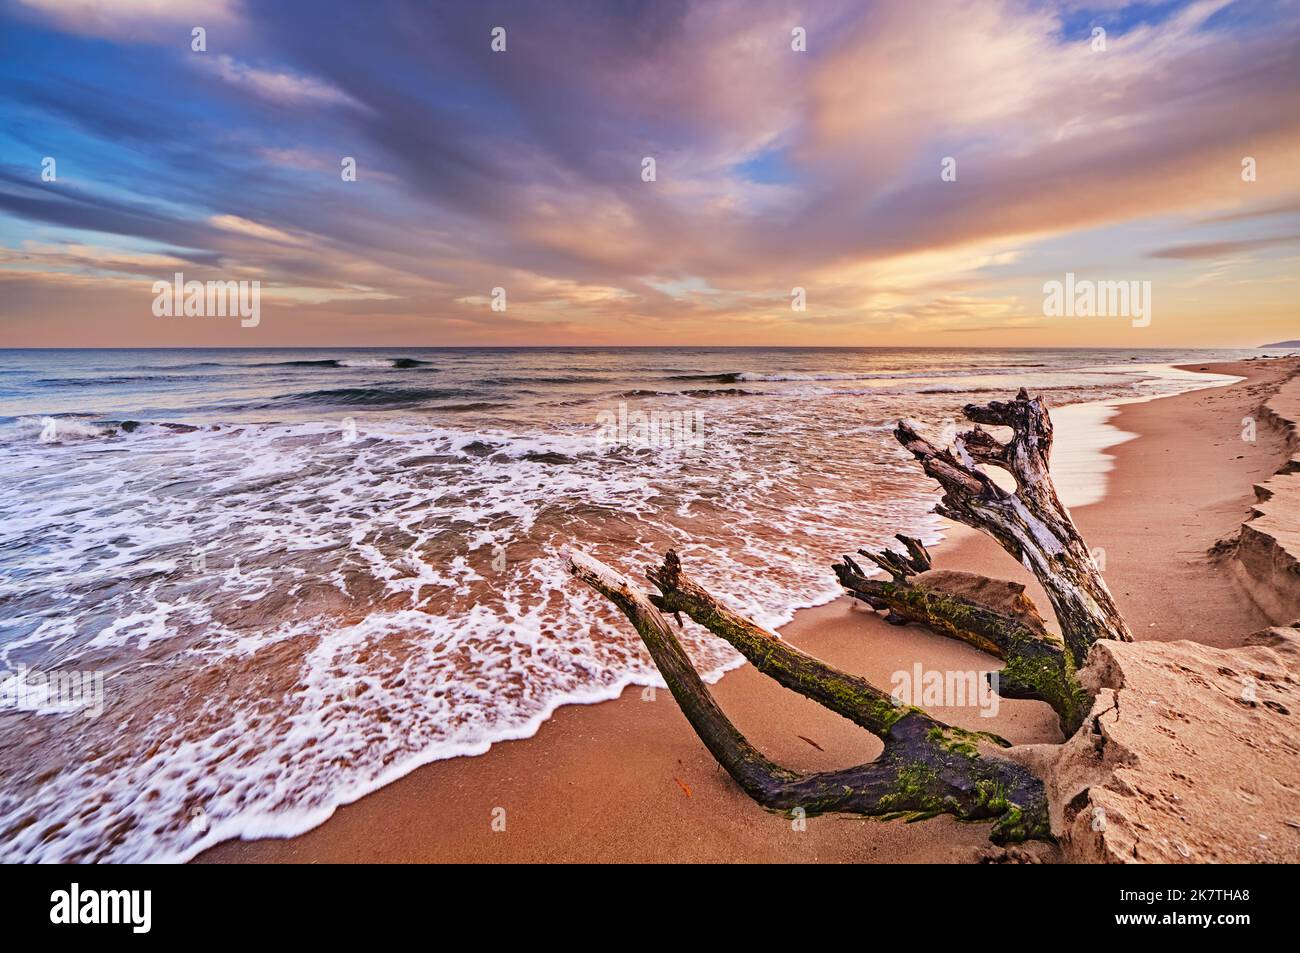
[(1031, 524)]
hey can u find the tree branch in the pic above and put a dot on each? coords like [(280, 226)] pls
[(1037, 665), (1031, 524), (927, 768), (854, 698)]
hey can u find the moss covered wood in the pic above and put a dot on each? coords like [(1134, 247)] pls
[(1037, 665), (926, 768)]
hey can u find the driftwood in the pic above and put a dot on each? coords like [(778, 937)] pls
[(1029, 523), (1037, 663), (927, 767)]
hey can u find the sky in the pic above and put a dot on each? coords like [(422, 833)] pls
[(1115, 156)]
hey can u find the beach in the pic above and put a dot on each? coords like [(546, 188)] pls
[(566, 433), (627, 780), (309, 572)]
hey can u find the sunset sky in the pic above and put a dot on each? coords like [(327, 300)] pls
[(775, 169)]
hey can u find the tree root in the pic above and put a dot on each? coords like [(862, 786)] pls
[(927, 767)]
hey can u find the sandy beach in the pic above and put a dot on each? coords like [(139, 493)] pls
[(628, 780), (485, 433)]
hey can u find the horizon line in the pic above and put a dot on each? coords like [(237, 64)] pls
[(652, 347)]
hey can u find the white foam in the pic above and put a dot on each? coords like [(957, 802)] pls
[(1083, 433), (373, 362)]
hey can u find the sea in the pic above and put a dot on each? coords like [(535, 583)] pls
[(239, 588)]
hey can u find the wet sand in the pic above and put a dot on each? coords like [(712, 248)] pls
[(627, 780)]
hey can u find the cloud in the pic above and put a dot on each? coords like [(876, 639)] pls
[(1222, 249), (79, 208), (37, 258), (134, 20), (242, 226), (278, 86), (775, 168)]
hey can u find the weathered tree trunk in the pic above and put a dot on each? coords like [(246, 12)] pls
[(1037, 665), (927, 767), (1029, 523)]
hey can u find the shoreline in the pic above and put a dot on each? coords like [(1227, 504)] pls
[(628, 780)]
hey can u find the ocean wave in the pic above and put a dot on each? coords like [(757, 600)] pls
[(899, 375), (189, 366), (641, 393), (712, 378), (353, 362), (470, 406), (105, 381), (54, 430), (776, 378), (535, 380), (966, 389), (722, 392), (374, 396)]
